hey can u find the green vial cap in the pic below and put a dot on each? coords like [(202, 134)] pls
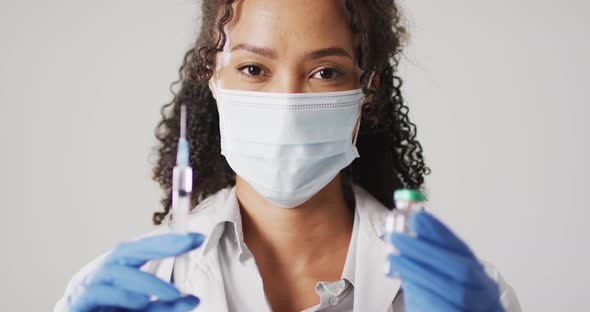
[(409, 195)]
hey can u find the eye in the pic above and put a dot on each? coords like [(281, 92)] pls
[(250, 70), (328, 73)]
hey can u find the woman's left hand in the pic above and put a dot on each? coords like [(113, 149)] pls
[(439, 272)]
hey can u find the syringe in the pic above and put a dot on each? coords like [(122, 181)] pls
[(182, 186)]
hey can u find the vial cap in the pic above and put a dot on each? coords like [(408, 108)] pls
[(409, 195)]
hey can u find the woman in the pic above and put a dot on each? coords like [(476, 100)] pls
[(283, 97)]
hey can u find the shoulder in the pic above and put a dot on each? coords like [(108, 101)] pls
[(507, 294)]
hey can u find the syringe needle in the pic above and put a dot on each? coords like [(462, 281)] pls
[(182, 153), (183, 122)]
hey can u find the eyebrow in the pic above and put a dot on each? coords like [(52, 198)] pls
[(266, 52), (272, 53)]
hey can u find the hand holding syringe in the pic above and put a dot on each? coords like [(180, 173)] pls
[(119, 282)]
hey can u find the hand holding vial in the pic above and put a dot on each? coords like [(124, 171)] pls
[(438, 270)]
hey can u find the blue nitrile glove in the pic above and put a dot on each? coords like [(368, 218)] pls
[(119, 285), (439, 272)]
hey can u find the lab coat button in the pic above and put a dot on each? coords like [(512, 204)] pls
[(334, 300)]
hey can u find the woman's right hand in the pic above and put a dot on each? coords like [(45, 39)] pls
[(119, 285)]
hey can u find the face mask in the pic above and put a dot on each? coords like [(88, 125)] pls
[(288, 146)]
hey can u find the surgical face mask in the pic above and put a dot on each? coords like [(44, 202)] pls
[(288, 146)]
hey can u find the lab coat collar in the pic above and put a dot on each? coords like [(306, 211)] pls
[(373, 290), (230, 212), (208, 218)]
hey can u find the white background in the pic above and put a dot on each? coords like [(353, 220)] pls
[(497, 89)]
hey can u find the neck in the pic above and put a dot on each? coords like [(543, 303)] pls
[(307, 236)]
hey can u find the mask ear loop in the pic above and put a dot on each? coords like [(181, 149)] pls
[(357, 126), (358, 120)]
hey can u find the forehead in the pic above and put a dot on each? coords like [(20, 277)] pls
[(291, 26)]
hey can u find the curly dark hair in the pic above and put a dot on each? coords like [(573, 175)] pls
[(391, 156)]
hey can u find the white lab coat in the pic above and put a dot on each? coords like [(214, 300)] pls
[(373, 291)]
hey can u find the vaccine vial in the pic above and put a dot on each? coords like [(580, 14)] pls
[(407, 203)]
